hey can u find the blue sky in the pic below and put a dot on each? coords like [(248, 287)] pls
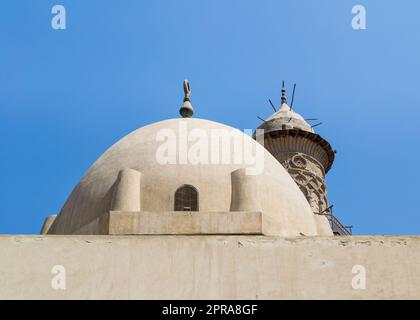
[(67, 95)]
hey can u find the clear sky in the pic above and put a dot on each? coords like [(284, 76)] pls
[(67, 95)]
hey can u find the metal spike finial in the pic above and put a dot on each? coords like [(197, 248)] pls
[(272, 105), (316, 125), (186, 110), (293, 96), (262, 119), (283, 94)]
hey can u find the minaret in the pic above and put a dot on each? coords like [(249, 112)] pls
[(305, 155)]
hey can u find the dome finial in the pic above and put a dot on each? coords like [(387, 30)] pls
[(186, 110), (283, 94), (187, 90)]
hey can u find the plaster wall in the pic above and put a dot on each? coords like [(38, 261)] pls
[(209, 267)]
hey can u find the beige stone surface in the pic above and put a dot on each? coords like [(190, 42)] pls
[(47, 223), (127, 194), (245, 193), (209, 267), (184, 222)]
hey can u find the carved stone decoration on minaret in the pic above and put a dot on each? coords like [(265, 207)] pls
[(309, 176), (303, 153)]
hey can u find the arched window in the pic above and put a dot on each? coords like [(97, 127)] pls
[(186, 198)]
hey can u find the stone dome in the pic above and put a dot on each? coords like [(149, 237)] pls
[(284, 208)]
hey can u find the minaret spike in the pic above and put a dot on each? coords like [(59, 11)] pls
[(283, 94), (293, 96), (272, 105)]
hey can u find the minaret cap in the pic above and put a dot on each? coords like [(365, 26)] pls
[(186, 110)]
